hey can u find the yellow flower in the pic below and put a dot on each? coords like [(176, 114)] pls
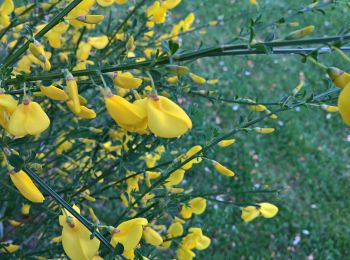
[(123, 112), (98, 42), (76, 238), (225, 143), (26, 186), (150, 176), (343, 104), (194, 240), (175, 230), (83, 51), (9, 248), (267, 210), (166, 119), (129, 233), (151, 236), (195, 206), (28, 118), (223, 170), (126, 80), (191, 152), (175, 178), (157, 12)]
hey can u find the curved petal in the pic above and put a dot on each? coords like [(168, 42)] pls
[(344, 104)]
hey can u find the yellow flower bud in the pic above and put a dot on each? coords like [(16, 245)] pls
[(37, 49), (264, 130), (130, 45), (178, 70), (197, 79), (14, 223), (340, 78), (26, 187), (223, 170), (300, 33), (330, 109), (258, 108), (72, 91), (54, 93), (25, 209), (225, 143), (90, 19)]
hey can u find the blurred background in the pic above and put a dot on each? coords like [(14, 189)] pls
[(306, 160)]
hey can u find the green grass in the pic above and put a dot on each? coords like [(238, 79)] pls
[(306, 159)]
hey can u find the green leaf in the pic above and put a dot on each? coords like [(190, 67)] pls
[(173, 46), (16, 161), (119, 249)]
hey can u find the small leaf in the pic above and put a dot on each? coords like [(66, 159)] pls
[(16, 162), (119, 249)]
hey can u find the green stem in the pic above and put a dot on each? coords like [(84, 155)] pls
[(231, 50)]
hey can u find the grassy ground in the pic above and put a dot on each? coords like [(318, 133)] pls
[(306, 159)]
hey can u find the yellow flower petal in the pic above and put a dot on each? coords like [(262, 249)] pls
[(126, 80), (166, 119), (54, 93), (175, 230), (129, 233), (152, 237), (249, 213), (98, 42), (223, 170), (344, 104), (268, 210), (28, 118), (26, 187), (198, 205)]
